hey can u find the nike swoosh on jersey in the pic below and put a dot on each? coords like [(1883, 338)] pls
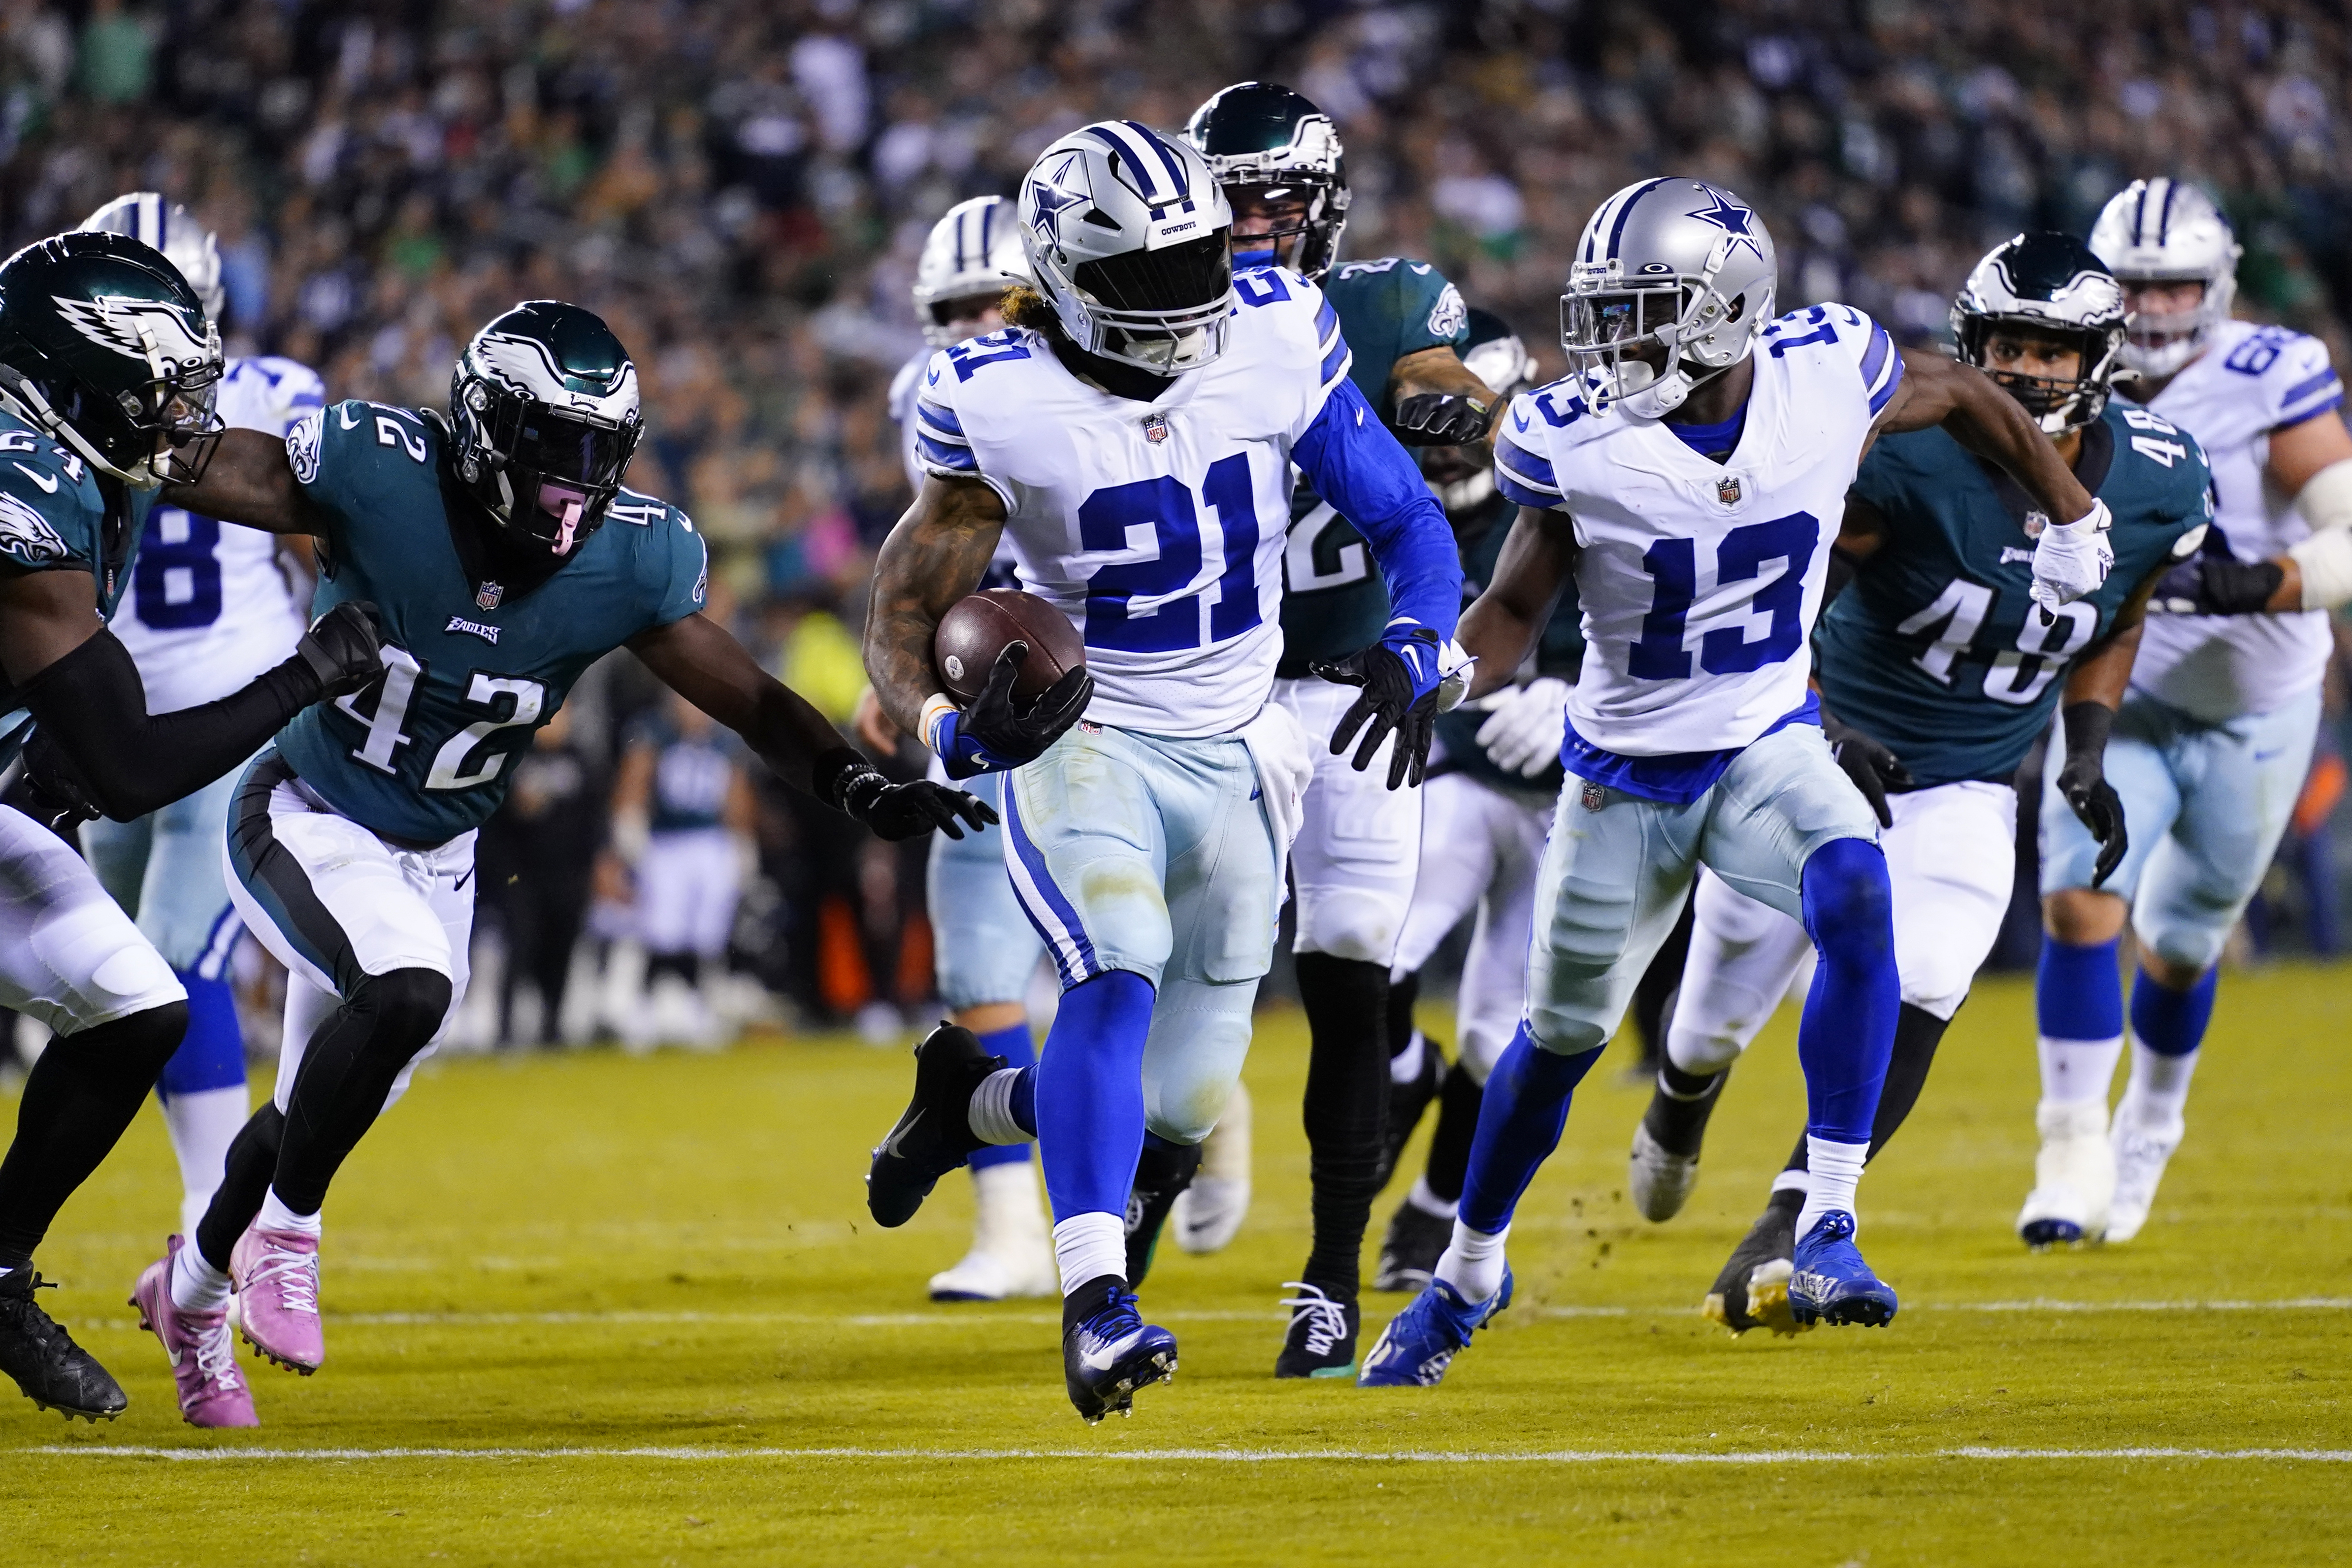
[(48, 482)]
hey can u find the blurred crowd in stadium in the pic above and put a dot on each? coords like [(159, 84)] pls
[(742, 186)]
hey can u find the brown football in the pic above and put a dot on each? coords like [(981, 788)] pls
[(976, 629)]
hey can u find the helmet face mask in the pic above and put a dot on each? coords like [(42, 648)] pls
[(2160, 231), (1673, 280), (969, 258), (2049, 289), (1266, 143), (543, 405)]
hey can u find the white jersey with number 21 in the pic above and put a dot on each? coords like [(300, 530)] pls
[(1700, 581)]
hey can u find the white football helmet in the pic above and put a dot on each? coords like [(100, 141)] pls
[(974, 250), (173, 230), (1678, 262), (2165, 231), (1126, 230)]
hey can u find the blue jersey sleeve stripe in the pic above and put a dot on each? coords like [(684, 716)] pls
[(940, 419), (1335, 363), (1874, 358), (1522, 492), (2305, 414), (945, 456), (1530, 467), (2301, 390), (1885, 394)]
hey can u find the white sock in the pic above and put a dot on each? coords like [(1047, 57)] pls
[(275, 1216), (1473, 1263), (1794, 1182), (1835, 1168), (2158, 1094), (1087, 1246), (197, 1285), (1427, 1202), (991, 1110), (2075, 1071), (1405, 1065)]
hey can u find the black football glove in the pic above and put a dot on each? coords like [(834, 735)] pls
[(902, 811), (1873, 768), (42, 783), (1440, 419), (996, 734), (1399, 682), (2083, 781), (343, 647), (2217, 585)]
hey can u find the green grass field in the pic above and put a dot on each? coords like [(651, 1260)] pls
[(587, 1309)]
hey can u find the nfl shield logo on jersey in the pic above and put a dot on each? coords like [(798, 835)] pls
[(1155, 429), (488, 595), (1726, 490)]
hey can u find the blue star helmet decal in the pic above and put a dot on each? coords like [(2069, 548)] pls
[(1734, 220), (1053, 200)]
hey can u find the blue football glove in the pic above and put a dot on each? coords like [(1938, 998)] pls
[(1399, 677)]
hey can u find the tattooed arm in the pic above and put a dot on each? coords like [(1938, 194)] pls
[(936, 555)]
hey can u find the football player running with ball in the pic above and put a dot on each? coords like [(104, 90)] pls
[(108, 363), (1938, 676), (2213, 741), (1360, 837), (1681, 477), (508, 558), (1133, 433)]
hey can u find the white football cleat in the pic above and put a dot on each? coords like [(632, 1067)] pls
[(1660, 1180), (2074, 1176), (2141, 1153), (1209, 1213), (1012, 1251)]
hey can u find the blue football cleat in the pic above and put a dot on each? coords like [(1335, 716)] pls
[(1832, 1284), (1106, 1358), (1422, 1342)]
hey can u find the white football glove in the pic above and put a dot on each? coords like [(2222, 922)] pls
[(2071, 560), (1525, 725)]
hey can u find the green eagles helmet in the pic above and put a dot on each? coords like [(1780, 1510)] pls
[(104, 345), (2049, 285), (1264, 141), (544, 409)]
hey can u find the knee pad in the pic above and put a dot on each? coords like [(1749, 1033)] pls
[(1353, 924), (1849, 903), (409, 1005)]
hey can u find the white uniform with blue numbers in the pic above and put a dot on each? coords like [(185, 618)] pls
[(1692, 736), (1140, 840), (210, 607), (2213, 741)]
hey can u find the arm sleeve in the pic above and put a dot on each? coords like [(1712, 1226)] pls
[(1356, 465), (92, 707)]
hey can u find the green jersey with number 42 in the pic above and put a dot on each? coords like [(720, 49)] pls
[(1333, 601), (1933, 650), (470, 669)]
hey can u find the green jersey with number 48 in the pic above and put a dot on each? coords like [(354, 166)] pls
[(1933, 650), (1333, 601), (472, 670)]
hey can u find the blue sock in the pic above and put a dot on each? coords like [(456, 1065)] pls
[(1088, 1099), (1519, 1120), (2077, 995), (1847, 1031), (212, 1053), (1011, 1043), (2172, 1023)]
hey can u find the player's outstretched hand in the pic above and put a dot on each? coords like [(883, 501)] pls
[(2217, 585), (901, 811), (2071, 560), (343, 647), (1400, 677), (1009, 735), (1525, 725), (1873, 768), (1440, 420), (2085, 785)]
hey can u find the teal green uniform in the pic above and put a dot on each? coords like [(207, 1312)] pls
[(1333, 601), (56, 516), (421, 755), (1559, 651), (1934, 649), (691, 779)]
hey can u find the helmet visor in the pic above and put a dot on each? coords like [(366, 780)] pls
[(1596, 322), (562, 470), (1165, 310)]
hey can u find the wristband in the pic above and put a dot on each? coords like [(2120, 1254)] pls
[(2326, 562), (2087, 724), (936, 723)]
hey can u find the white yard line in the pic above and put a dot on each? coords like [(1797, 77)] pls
[(1209, 1455)]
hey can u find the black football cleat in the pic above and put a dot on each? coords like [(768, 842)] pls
[(1162, 1171), (1409, 1251), (1752, 1291), (35, 1348), (1111, 1352), (1407, 1101), (1322, 1338), (934, 1136), (1664, 1166)]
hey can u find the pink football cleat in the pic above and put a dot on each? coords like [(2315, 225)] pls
[(213, 1391), (276, 1273)]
